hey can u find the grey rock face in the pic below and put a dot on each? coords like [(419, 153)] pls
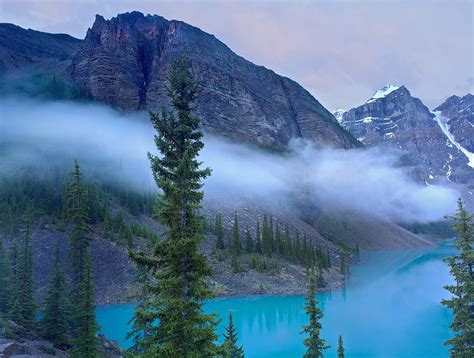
[(395, 119), (460, 112), (124, 62), (28, 50)]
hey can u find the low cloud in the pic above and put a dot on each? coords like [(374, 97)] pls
[(114, 145)]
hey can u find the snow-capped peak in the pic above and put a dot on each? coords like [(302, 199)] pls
[(383, 92), (339, 114)]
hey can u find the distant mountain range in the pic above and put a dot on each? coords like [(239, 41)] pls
[(436, 145), (124, 62)]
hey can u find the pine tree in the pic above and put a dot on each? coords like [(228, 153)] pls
[(24, 306), (219, 231), (83, 323), (170, 322), (342, 265), (85, 340), (258, 242), (314, 343), (55, 319), (248, 242), (236, 245), (340, 348), (6, 293), (231, 349), (462, 301), (77, 215)]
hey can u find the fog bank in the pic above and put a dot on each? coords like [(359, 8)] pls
[(363, 180)]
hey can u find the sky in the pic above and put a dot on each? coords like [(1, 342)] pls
[(340, 51)]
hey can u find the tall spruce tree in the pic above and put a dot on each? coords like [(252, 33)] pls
[(6, 293), (258, 241), (85, 340), (315, 345), (219, 231), (462, 300), (248, 242), (55, 319), (340, 347), (236, 244), (83, 325), (24, 306), (231, 349), (171, 322)]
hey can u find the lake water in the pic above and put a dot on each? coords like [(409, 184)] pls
[(390, 307)]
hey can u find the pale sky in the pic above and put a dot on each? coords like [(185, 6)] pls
[(341, 51)]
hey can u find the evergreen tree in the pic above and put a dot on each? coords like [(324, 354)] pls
[(258, 242), (234, 263), (248, 242), (85, 340), (170, 322), (77, 215), (462, 300), (24, 306), (340, 348), (83, 323), (342, 265), (219, 231), (236, 245), (315, 345), (266, 237), (231, 349), (55, 319), (6, 293)]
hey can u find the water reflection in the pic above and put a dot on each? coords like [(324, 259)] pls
[(388, 308)]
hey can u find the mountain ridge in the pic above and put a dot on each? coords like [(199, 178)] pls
[(124, 61)]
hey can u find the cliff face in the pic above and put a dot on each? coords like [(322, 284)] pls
[(395, 119), (460, 114), (124, 62)]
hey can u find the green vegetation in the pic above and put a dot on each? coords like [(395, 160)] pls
[(45, 87), (340, 348), (441, 229), (83, 322), (54, 323), (6, 293), (462, 300), (230, 347), (170, 322), (315, 345)]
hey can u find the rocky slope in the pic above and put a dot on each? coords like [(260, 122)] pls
[(393, 118), (460, 114), (28, 51), (124, 62)]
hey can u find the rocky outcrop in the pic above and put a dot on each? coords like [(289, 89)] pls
[(460, 114), (124, 62), (393, 118)]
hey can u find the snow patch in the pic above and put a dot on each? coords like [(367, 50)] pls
[(443, 124), (339, 114), (381, 93)]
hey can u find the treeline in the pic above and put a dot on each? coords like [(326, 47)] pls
[(68, 318), (43, 191), (270, 242)]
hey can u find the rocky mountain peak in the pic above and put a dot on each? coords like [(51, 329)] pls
[(124, 62), (386, 91), (393, 118)]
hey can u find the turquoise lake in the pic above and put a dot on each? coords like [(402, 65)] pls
[(390, 307)]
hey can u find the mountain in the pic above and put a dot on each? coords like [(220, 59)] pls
[(460, 114), (23, 51), (393, 118), (124, 62)]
